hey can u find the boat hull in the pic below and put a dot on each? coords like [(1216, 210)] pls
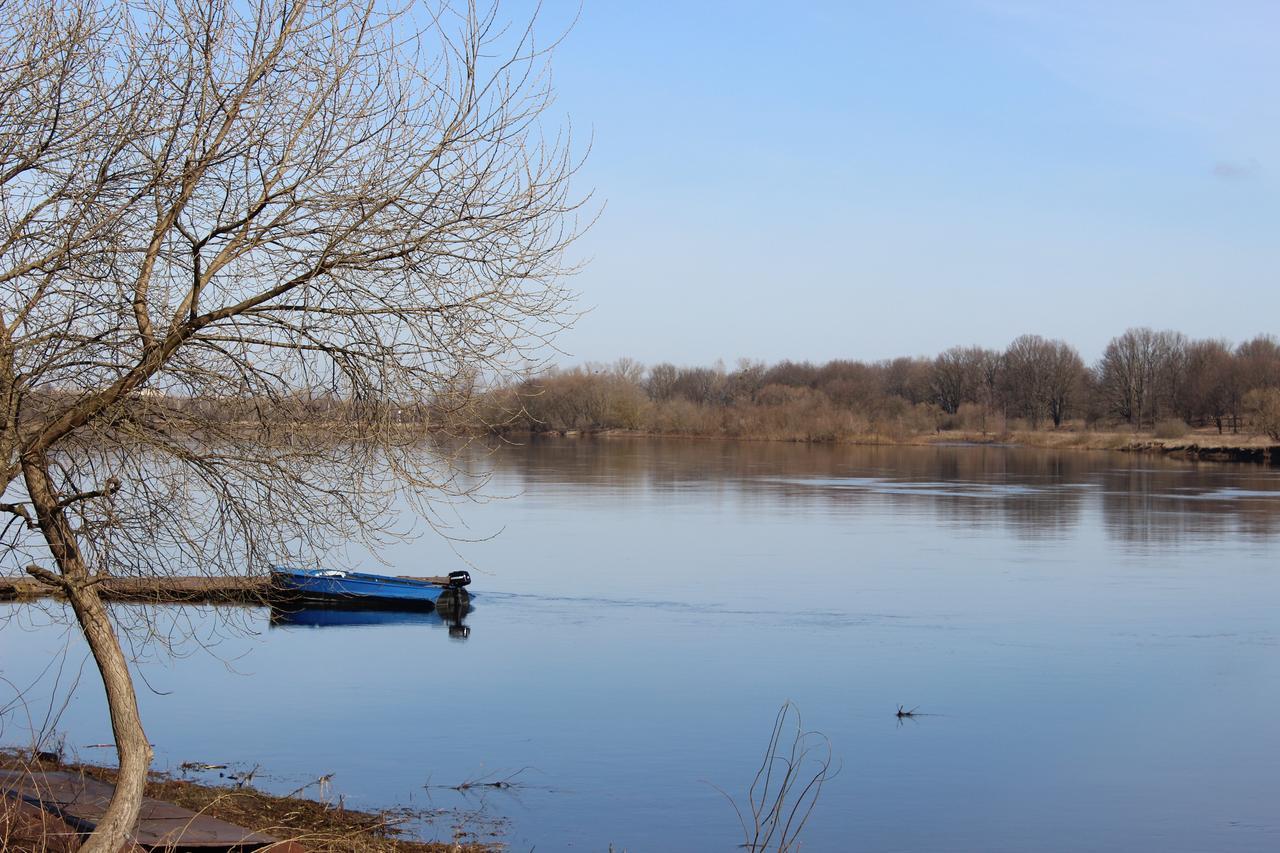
[(352, 588)]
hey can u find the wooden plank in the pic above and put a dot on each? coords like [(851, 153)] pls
[(27, 827), (81, 802), (438, 581)]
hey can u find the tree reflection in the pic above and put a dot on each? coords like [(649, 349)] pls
[(1032, 493)]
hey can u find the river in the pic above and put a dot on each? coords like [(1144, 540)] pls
[(1090, 641)]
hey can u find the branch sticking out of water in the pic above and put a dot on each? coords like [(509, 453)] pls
[(322, 784), (486, 781), (785, 789)]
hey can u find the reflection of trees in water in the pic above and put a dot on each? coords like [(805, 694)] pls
[(1152, 505), (593, 460), (1033, 493)]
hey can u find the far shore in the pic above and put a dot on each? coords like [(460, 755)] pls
[(1202, 445)]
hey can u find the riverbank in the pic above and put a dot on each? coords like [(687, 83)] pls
[(1203, 445), (1199, 445), (316, 826)]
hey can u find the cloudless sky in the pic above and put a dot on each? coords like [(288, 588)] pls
[(872, 179)]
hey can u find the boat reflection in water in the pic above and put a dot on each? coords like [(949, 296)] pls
[(284, 616)]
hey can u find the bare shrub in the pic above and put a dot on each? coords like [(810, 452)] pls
[(1263, 407), (680, 416), (1171, 428), (975, 417)]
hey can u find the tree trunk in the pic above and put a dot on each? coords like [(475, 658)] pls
[(132, 749)]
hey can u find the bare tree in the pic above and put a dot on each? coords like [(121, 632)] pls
[(908, 378), (1260, 362), (222, 218), (702, 385), (1064, 381), (661, 383), (1211, 376), (958, 377), (1140, 372), (1027, 372), (1263, 406), (1042, 378), (628, 370), (1122, 380), (745, 382), (1169, 373), (990, 366)]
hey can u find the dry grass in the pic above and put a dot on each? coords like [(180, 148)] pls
[(318, 827), (27, 829)]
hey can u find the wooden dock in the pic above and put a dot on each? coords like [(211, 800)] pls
[(75, 804)]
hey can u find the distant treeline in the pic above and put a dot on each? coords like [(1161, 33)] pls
[(1146, 379)]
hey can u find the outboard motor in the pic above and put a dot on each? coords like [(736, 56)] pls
[(454, 600)]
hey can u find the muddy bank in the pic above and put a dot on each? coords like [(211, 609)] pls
[(317, 826), (1205, 447), (1257, 455)]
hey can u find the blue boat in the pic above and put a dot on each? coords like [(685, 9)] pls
[(334, 586)]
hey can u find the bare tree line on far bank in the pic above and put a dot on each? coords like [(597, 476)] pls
[(1146, 380)]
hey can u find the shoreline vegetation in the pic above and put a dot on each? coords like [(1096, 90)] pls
[(1157, 392), (1151, 391), (319, 827)]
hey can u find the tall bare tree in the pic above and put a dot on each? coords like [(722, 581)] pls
[(1209, 376), (1065, 380), (1027, 371), (1259, 360), (222, 222), (958, 377), (1042, 377), (1140, 372)]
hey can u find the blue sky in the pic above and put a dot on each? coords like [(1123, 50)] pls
[(865, 180)]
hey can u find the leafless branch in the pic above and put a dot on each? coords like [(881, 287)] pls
[(786, 787), (252, 255)]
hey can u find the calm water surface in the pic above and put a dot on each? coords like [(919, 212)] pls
[(1094, 636)]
